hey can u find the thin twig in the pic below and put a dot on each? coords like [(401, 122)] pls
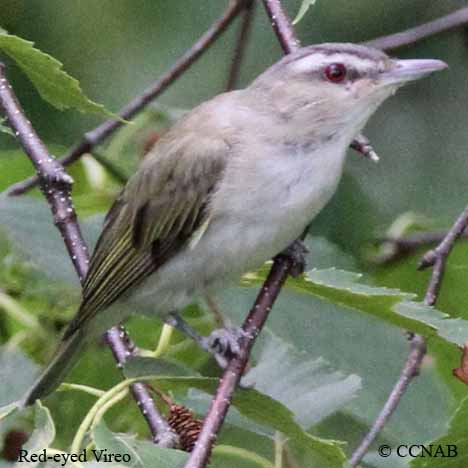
[(241, 43), (282, 26), (445, 23), (409, 371), (56, 184), (362, 145), (396, 248), (252, 326), (437, 258), (99, 134), (122, 348)]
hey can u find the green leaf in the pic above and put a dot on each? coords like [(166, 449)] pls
[(391, 305), (94, 464), (138, 366), (263, 410), (43, 434), (28, 224), (456, 436), (46, 73), (142, 453), (5, 129), (5, 411), (17, 372), (305, 5), (308, 387), (375, 460), (452, 300)]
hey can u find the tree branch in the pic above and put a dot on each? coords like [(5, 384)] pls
[(252, 326), (56, 184), (437, 258), (122, 348), (282, 26), (410, 36), (99, 134), (241, 44)]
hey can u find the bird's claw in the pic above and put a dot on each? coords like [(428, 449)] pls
[(225, 343), (296, 252)]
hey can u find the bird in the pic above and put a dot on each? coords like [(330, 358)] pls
[(231, 184)]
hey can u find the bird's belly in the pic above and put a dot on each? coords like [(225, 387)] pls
[(250, 228), (226, 251)]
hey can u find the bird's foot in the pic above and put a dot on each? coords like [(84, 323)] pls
[(296, 252), (225, 343)]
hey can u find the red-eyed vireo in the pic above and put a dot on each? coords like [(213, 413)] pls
[(229, 186)]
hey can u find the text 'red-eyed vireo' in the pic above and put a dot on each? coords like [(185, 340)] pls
[(231, 184)]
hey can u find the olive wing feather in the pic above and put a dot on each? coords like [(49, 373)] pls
[(154, 217)]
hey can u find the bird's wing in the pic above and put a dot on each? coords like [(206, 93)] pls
[(163, 206)]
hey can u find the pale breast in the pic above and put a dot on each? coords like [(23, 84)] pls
[(262, 205)]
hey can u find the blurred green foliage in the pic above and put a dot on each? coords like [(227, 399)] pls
[(115, 48)]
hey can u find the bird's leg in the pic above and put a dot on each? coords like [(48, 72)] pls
[(296, 252), (215, 309), (223, 343)]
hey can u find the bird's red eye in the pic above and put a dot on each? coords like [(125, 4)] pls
[(335, 72)]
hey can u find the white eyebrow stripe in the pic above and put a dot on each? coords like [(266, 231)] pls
[(315, 61)]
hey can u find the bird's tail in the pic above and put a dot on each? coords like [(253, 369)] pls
[(64, 359)]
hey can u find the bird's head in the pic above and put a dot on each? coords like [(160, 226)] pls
[(332, 89)]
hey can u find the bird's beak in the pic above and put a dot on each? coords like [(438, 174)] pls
[(403, 71)]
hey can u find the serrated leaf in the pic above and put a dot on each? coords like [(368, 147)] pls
[(309, 388), (305, 5), (266, 411), (391, 305), (46, 73), (456, 436), (143, 453)]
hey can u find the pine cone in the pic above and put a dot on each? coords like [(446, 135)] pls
[(184, 423)]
